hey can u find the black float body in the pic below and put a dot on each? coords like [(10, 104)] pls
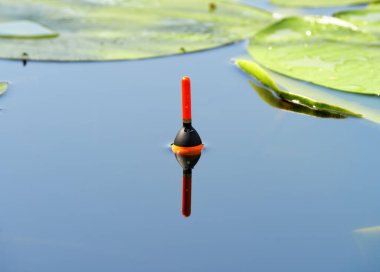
[(187, 162), (187, 136)]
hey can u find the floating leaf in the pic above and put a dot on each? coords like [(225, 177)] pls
[(313, 96), (128, 29), (25, 30), (3, 87), (320, 3), (324, 50), (291, 100), (366, 19)]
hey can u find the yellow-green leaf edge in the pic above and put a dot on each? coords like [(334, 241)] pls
[(254, 70), (3, 87)]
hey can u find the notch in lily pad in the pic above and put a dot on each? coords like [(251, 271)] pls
[(25, 30)]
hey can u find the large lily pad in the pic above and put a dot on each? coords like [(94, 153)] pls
[(320, 3), (324, 50), (317, 100), (127, 29)]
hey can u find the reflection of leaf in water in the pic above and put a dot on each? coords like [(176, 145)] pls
[(368, 241), (323, 50), (369, 230), (307, 105), (3, 87), (319, 3), (283, 104), (127, 29)]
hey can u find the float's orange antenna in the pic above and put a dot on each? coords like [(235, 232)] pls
[(186, 100), (187, 140)]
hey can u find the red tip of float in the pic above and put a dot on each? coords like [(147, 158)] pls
[(186, 100)]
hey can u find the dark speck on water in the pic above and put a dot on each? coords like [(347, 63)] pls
[(25, 58)]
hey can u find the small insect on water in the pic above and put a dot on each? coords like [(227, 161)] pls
[(24, 58)]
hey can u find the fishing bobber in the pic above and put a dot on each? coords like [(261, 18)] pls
[(187, 147), (187, 140)]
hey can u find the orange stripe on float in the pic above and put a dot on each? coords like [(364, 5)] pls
[(190, 151)]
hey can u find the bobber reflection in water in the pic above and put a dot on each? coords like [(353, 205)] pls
[(187, 147)]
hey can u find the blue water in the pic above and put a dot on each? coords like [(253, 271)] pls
[(88, 182)]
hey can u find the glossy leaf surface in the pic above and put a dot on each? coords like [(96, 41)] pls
[(317, 105), (323, 50), (366, 19), (313, 96), (117, 30)]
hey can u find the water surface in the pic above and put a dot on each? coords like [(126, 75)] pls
[(88, 182)]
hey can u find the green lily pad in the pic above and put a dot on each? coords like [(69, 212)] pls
[(3, 87), (92, 30), (25, 30), (366, 19), (323, 101), (323, 50), (317, 105), (320, 3)]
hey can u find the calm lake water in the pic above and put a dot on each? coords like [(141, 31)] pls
[(88, 181)]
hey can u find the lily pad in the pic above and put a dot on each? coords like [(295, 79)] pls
[(324, 50), (320, 3), (323, 101), (294, 100), (366, 19), (25, 30), (128, 29), (3, 87)]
